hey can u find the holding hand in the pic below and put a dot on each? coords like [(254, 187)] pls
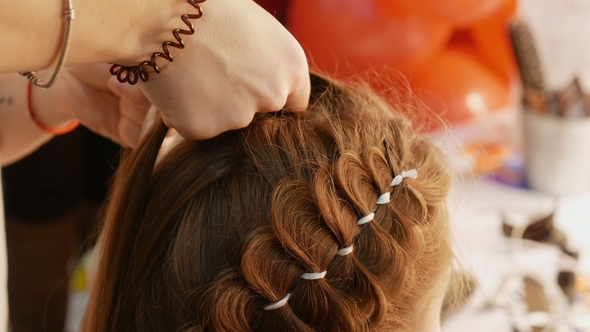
[(240, 61), (83, 93), (80, 93)]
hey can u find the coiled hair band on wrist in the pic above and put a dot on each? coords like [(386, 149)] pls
[(132, 74)]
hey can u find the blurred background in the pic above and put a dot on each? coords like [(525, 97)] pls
[(499, 85)]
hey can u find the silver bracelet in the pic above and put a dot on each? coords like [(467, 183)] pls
[(32, 76)]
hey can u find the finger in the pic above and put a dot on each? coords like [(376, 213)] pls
[(172, 139), (134, 112), (130, 93), (94, 75), (107, 125), (148, 121), (298, 100), (101, 116), (129, 132)]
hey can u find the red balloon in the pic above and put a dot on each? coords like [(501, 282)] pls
[(457, 86), (344, 37), (460, 13)]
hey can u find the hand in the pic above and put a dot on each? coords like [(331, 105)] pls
[(83, 92), (240, 61)]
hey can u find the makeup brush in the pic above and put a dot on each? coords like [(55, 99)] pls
[(529, 65)]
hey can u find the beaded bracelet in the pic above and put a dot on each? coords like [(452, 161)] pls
[(131, 74), (55, 131)]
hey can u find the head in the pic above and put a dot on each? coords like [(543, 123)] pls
[(222, 235)]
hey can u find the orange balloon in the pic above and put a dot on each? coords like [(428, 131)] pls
[(457, 86), (492, 41), (396, 7), (460, 13), (345, 37)]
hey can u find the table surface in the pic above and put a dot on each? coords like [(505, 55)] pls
[(477, 208)]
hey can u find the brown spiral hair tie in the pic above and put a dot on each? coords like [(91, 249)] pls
[(132, 74)]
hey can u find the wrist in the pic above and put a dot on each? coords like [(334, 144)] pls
[(171, 41), (120, 31), (46, 113)]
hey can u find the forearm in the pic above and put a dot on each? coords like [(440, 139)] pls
[(239, 61), (31, 32), (19, 135)]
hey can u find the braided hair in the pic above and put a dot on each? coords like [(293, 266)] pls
[(328, 220)]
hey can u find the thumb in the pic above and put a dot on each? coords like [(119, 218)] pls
[(149, 121)]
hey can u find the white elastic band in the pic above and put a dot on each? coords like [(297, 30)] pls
[(384, 198), (313, 276), (344, 251), (366, 219), (412, 173), (278, 304)]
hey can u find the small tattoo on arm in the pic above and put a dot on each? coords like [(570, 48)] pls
[(6, 100)]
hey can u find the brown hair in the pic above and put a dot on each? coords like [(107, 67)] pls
[(220, 228)]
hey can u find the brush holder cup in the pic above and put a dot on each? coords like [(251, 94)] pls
[(557, 152)]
